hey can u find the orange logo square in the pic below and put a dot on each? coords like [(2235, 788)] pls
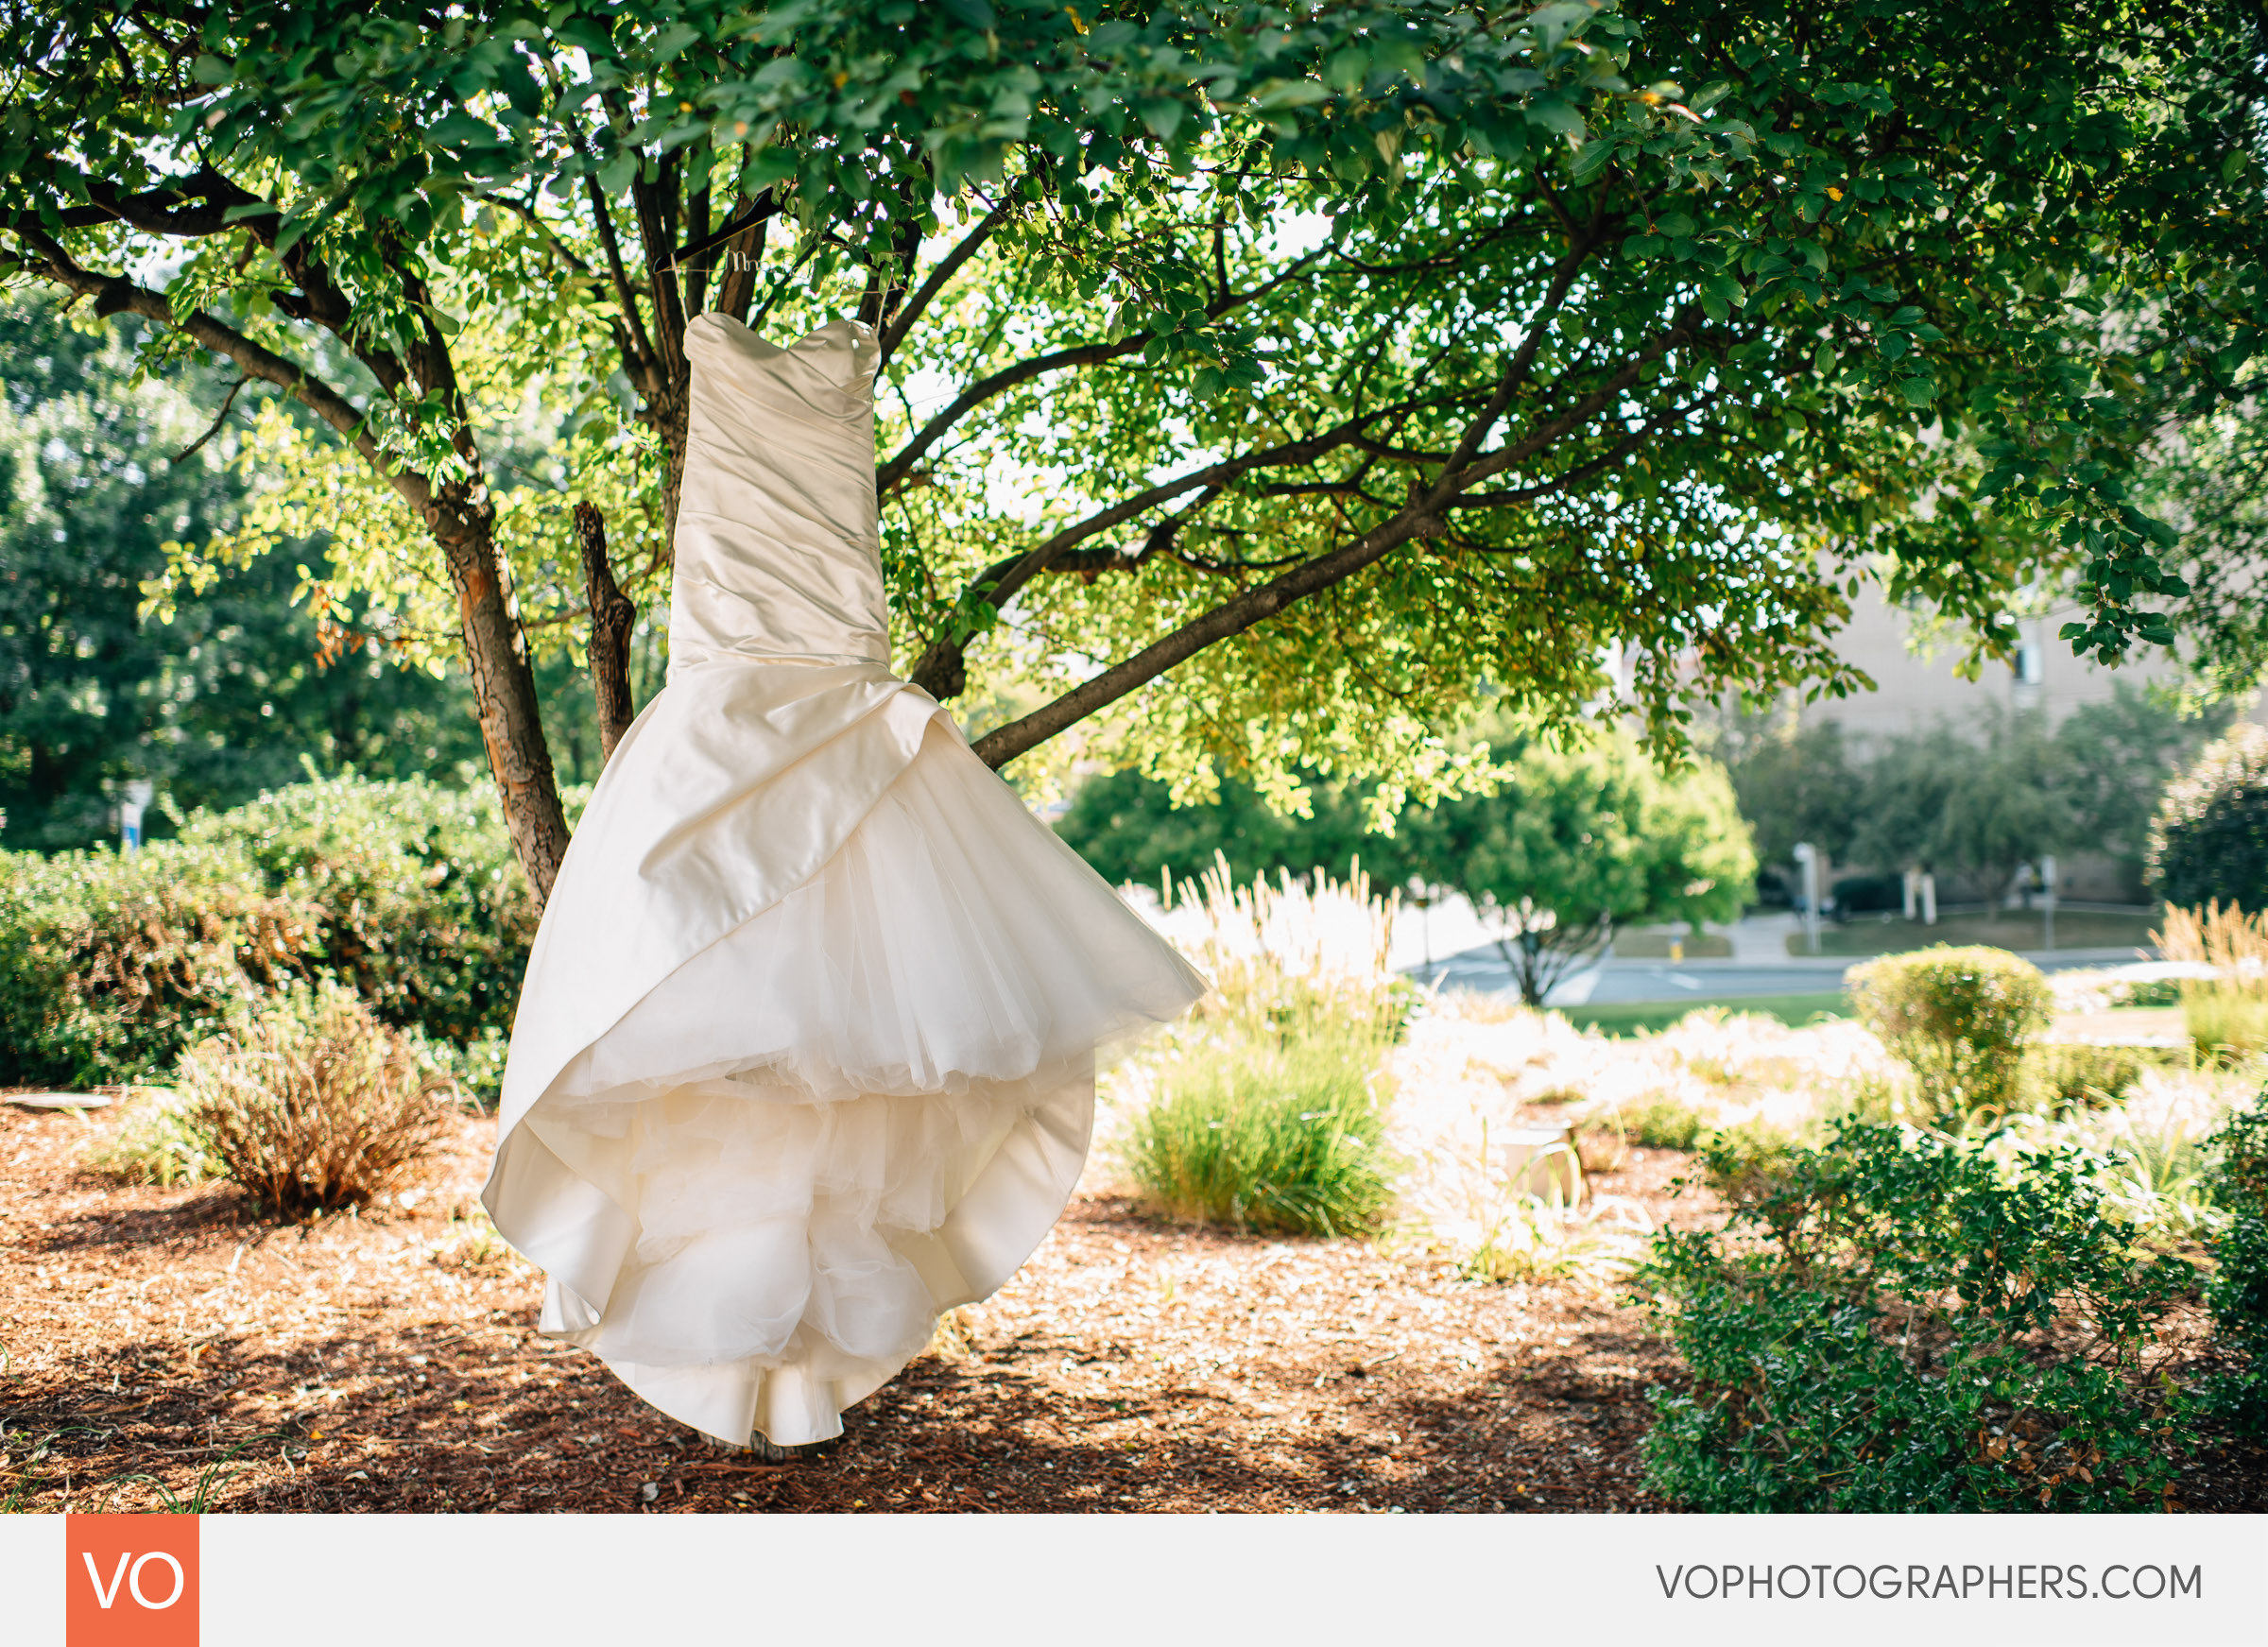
[(129, 1580)]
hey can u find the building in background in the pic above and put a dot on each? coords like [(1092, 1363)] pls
[(1919, 688), (1914, 690)]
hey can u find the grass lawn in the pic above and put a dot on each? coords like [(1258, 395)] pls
[(1869, 935), (1628, 1018)]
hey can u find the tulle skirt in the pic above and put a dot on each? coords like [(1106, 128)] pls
[(864, 1105)]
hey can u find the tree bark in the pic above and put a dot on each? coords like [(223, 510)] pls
[(611, 617), (503, 687)]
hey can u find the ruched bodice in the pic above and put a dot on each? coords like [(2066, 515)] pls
[(778, 549)]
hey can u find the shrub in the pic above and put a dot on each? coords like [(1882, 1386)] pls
[(2082, 1077), (1897, 1322), (423, 906), (1662, 1123), (158, 1143), (310, 1102), (2238, 1293), (1960, 1019), (2225, 1023), (2158, 1181), (1524, 1238), (2147, 992), (1868, 894), (2209, 840), (110, 964), (1263, 1113), (1293, 958), (1286, 1137)]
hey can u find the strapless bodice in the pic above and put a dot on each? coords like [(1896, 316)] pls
[(778, 546)]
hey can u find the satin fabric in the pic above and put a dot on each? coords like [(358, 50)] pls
[(804, 1053)]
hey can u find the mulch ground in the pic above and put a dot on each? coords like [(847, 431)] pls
[(173, 1346)]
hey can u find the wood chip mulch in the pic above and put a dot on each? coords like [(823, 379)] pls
[(171, 1346), (161, 1340)]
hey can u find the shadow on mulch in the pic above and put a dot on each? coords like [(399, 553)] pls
[(222, 1207), (387, 1363)]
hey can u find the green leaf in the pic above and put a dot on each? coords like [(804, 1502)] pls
[(673, 39), (1555, 115), (457, 128), (1275, 95), (1592, 158), (1162, 115), (618, 171)]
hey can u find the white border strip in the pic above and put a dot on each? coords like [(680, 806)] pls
[(1145, 1580)]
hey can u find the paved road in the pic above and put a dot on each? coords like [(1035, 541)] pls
[(1619, 980)]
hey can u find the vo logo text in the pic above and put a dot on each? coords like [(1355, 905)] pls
[(129, 1580)]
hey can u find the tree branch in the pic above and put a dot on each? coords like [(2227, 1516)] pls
[(1002, 745), (552, 243), (949, 265), (1420, 518), (1583, 472), (644, 357), (760, 209), (114, 294), (892, 474), (942, 671), (656, 234), (1523, 358), (736, 287), (611, 617), (218, 419)]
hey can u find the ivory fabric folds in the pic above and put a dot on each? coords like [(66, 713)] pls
[(805, 1052)]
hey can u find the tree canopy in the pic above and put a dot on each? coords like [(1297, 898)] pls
[(1263, 383), (1586, 837), (1572, 839), (2209, 841), (227, 698)]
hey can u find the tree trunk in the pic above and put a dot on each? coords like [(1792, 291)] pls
[(670, 409), (612, 618), (504, 686)]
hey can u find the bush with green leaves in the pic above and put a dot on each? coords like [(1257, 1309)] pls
[(1961, 1018), (422, 908), (2066, 1077), (2209, 840), (2238, 1293), (1660, 1122), (1266, 1108), (110, 964), (1898, 1322)]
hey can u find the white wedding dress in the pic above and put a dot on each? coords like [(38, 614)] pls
[(805, 1052)]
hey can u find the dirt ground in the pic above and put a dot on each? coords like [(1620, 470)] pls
[(171, 1346)]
